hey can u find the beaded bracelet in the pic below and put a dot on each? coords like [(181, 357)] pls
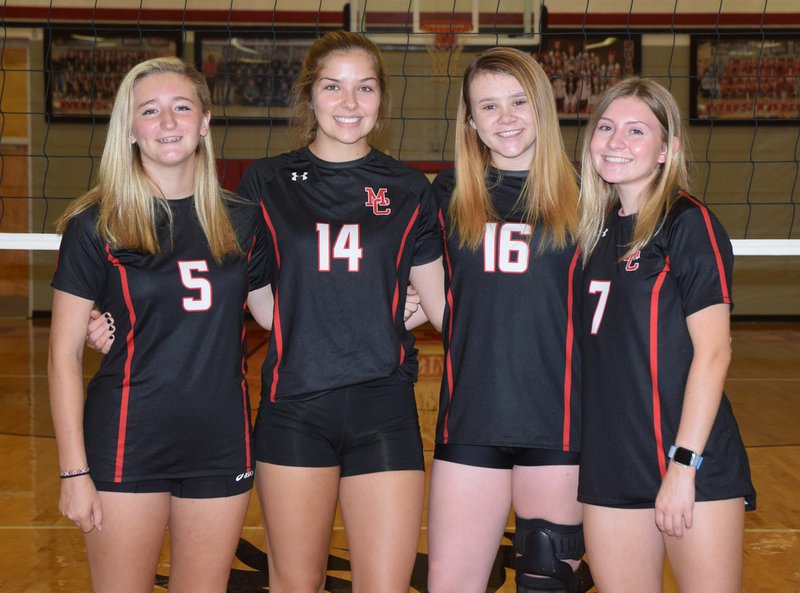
[(72, 473)]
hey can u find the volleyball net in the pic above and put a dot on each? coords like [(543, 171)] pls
[(736, 76)]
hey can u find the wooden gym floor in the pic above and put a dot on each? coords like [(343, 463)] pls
[(41, 552)]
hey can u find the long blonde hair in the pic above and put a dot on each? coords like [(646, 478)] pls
[(599, 198), (304, 121), (124, 191), (550, 193)]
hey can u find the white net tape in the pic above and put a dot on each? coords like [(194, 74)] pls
[(741, 247)]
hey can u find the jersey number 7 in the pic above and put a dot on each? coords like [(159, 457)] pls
[(603, 288)]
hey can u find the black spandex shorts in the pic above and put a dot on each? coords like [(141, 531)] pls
[(365, 428), (504, 457), (202, 487)]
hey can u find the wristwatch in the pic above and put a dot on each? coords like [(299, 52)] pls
[(685, 456)]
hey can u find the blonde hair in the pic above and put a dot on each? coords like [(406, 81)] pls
[(124, 191), (599, 198), (550, 193), (304, 128)]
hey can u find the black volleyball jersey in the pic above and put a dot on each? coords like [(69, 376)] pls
[(511, 331), (345, 236), (637, 352), (170, 399)]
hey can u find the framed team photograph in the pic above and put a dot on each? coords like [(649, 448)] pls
[(84, 67), (745, 79), (251, 74), (582, 67)]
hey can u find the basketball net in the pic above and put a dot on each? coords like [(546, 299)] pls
[(444, 45)]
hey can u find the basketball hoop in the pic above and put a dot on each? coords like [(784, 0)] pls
[(445, 44)]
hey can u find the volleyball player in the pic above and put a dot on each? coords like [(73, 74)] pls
[(509, 415), (163, 437), (663, 468), (349, 226)]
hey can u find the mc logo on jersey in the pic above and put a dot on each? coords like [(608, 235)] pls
[(632, 263), (377, 200)]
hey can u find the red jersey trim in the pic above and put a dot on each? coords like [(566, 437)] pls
[(272, 232), (723, 279), (659, 437), (570, 339), (395, 300), (276, 316), (398, 259), (448, 363), (245, 406), (247, 459), (126, 378)]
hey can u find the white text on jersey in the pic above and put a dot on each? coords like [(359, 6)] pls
[(190, 280), (511, 255), (347, 246)]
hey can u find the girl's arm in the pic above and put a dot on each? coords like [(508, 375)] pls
[(413, 315), (79, 501), (428, 281), (100, 331), (260, 302), (709, 330)]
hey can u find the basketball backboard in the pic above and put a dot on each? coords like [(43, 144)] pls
[(475, 22)]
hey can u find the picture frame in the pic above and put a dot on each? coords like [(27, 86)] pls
[(250, 74), (581, 67), (85, 66), (744, 79)]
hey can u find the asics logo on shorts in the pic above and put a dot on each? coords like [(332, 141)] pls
[(244, 476)]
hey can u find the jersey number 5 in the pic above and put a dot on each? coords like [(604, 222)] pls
[(203, 300), (508, 255), (603, 288), (347, 246)]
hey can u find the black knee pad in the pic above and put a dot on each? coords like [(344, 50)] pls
[(541, 548)]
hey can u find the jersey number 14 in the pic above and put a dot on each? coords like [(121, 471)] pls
[(347, 246)]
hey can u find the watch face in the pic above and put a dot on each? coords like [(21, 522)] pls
[(683, 456)]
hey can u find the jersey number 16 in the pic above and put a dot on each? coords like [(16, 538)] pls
[(502, 251)]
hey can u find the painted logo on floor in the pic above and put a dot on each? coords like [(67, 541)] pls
[(256, 579)]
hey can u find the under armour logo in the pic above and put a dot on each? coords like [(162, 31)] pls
[(376, 200), (603, 234), (299, 176)]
